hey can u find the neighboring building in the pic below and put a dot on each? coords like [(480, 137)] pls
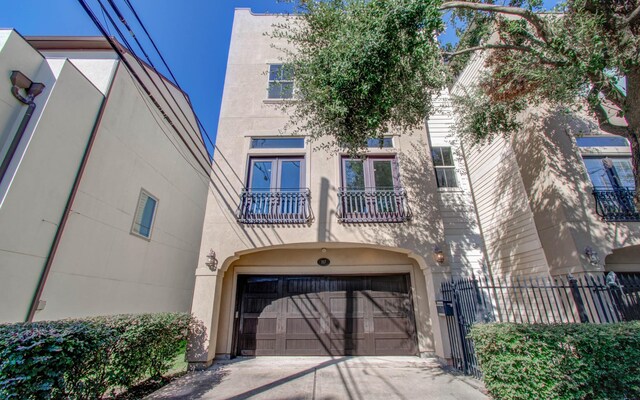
[(555, 198), (101, 203), (306, 251)]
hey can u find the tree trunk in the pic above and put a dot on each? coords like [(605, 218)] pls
[(633, 122)]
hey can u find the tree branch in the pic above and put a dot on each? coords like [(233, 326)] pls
[(634, 14), (504, 47), (532, 18), (603, 84), (603, 116)]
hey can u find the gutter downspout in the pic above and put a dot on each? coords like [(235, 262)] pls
[(33, 89), (67, 209)]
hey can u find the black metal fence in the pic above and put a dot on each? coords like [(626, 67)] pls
[(587, 299)]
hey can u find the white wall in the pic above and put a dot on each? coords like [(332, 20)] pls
[(99, 267), (43, 174)]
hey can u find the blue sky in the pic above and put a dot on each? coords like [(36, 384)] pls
[(193, 36)]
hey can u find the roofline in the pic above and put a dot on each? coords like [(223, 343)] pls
[(266, 14), (69, 43), (88, 43)]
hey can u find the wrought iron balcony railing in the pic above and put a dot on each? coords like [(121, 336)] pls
[(616, 205), (274, 207), (373, 205)]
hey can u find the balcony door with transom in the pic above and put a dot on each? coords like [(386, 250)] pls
[(371, 190), (273, 189)]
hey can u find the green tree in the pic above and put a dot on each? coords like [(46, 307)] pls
[(363, 66)]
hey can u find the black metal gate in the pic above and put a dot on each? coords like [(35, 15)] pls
[(589, 299)]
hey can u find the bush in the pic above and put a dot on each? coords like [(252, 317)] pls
[(83, 358), (569, 361)]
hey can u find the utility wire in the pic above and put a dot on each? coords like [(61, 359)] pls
[(175, 80), (144, 69), (128, 27), (115, 47)]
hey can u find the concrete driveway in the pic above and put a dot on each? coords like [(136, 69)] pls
[(298, 378)]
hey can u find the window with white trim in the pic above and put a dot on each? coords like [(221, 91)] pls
[(280, 81), (445, 169), (144, 215)]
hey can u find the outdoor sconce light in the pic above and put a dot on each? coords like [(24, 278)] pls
[(438, 255), (212, 262), (592, 255)]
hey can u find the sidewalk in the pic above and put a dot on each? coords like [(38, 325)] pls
[(298, 378)]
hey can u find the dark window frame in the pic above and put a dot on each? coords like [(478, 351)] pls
[(275, 184), (368, 170)]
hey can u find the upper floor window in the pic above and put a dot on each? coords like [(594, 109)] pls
[(277, 143), (445, 169), (280, 81), (144, 215), (607, 159), (602, 141), (371, 191), (379, 173), (385, 142), (275, 191)]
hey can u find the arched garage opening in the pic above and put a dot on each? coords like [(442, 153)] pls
[(359, 300)]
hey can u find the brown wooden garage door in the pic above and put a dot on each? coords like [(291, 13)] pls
[(325, 315)]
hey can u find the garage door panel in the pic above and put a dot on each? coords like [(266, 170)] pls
[(260, 305), (340, 305), (305, 305), (322, 315)]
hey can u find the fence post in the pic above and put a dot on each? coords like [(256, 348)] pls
[(577, 297)]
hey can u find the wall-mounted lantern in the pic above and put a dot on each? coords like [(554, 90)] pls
[(592, 255), (438, 255), (212, 262)]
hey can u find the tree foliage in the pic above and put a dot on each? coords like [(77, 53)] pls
[(364, 66)]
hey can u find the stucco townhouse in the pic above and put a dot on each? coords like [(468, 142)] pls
[(308, 251)]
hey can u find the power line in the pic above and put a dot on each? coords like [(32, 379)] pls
[(137, 78), (144, 69), (128, 27), (175, 80)]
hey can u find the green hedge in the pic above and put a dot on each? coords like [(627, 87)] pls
[(84, 358), (570, 361)]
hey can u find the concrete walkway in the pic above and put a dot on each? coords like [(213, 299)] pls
[(298, 378)]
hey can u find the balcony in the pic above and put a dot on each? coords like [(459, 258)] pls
[(616, 205), (274, 207), (373, 205)]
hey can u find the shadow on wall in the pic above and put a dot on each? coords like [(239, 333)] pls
[(425, 231), (558, 186)]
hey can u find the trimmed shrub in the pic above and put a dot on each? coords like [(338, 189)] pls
[(568, 361), (84, 358)]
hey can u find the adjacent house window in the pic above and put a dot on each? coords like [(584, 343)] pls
[(280, 81), (607, 159), (445, 170), (145, 214), (275, 191), (608, 173)]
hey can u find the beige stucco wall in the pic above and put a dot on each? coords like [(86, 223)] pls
[(534, 197), (440, 218), (560, 193), (99, 267)]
